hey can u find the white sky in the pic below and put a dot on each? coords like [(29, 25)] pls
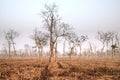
[(86, 16)]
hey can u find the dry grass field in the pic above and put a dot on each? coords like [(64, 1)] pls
[(62, 69)]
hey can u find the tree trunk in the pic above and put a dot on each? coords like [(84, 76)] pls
[(56, 52), (91, 50), (107, 49), (71, 52), (112, 53), (51, 40), (102, 49), (9, 49), (64, 47), (39, 53), (14, 50), (80, 50), (51, 52)]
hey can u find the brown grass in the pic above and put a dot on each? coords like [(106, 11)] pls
[(82, 69)]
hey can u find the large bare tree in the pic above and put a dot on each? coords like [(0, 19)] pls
[(55, 27), (51, 20)]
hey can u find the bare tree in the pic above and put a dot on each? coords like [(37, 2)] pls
[(71, 38), (51, 20), (61, 30), (28, 50), (115, 44), (109, 36), (90, 49), (117, 38), (66, 32), (80, 40), (10, 36), (40, 39), (105, 38), (55, 28), (4, 49), (57, 33), (100, 37)]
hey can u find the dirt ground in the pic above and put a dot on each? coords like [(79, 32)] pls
[(62, 69)]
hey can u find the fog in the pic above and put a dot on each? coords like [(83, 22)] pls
[(86, 16)]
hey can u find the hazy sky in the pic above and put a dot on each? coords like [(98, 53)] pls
[(86, 16)]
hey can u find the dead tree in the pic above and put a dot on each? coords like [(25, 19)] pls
[(40, 40), (105, 38), (71, 41), (10, 36), (61, 30), (50, 18), (54, 26), (117, 41), (100, 37), (4, 49), (79, 41), (90, 50), (66, 32), (109, 36)]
